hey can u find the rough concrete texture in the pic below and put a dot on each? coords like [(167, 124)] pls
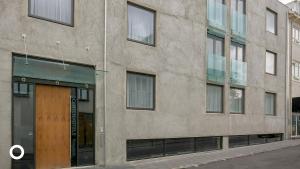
[(41, 38), (178, 60)]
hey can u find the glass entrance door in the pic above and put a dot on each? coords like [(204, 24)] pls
[(296, 125)]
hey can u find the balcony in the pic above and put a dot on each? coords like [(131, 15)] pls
[(238, 73), (216, 15), (216, 68), (238, 21)]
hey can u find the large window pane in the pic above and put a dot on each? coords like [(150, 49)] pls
[(257, 139), (54, 10), (238, 141), (179, 146), (140, 91), (208, 143), (23, 129), (296, 71), (270, 63), (270, 102), (214, 99), (141, 24), (237, 52), (238, 5), (236, 100), (271, 21), (215, 45), (142, 149), (86, 129)]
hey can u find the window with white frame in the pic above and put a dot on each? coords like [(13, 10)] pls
[(296, 70), (60, 11), (271, 63), (296, 34)]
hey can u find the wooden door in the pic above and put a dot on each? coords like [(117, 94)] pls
[(52, 127)]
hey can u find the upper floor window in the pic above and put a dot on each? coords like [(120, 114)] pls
[(296, 70), (216, 14), (270, 63), (215, 45), (60, 11), (237, 52), (140, 91), (271, 23), (296, 34), (270, 104), (141, 24), (238, 18), (239, 6)]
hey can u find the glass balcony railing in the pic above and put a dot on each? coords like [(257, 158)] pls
[(216, 14), (238, 72), (216, 68), (238, 20)]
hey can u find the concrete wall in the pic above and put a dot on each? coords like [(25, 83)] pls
[(179, 62), (41, 41)]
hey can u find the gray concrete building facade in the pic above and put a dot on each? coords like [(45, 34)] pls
[(294, 59), (106, 82)]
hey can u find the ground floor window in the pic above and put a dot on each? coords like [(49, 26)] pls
[(152, 148), (140, 91), (237, 100), (246, 140), (214, 98)]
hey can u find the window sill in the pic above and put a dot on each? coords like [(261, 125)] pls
[(276, 34), (270, 74), (140, 109), (270, 115), (237, 113), (140, 42), (210, 112), (51, 20)]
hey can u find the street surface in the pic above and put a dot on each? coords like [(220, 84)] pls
[(288, 158)]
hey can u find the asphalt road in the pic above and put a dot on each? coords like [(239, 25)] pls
[(288, 158)]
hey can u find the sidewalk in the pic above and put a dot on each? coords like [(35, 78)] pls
[(194, 160)]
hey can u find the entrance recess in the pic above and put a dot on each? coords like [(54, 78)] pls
[(53, 113), (52, 127)]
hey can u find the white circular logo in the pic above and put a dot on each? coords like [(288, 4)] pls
[(16, 157)]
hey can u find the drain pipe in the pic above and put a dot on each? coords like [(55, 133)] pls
[(288, 78), (105, 71)]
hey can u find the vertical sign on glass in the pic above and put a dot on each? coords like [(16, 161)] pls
[(74, 127)]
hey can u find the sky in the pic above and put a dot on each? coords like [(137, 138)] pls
[(285, 1)]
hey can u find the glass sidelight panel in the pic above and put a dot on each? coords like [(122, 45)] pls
[(23, 130), (85, 152), (294, 125), (298, 125)]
